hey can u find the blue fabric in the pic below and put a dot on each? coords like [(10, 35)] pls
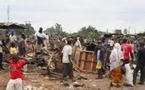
[(67, 69), (101, 55), (40, 40)]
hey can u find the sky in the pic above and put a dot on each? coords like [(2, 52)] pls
[(75, 14)]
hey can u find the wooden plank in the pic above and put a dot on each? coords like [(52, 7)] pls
[(87, 51)]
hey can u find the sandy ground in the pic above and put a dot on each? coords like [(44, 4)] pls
[(35, 81)]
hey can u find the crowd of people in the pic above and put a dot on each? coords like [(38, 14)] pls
[(122, 57), (13, 51)]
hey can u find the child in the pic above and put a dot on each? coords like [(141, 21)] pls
[(13, 48), (16, 65)]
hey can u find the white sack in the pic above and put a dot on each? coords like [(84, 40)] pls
[(128, 75)]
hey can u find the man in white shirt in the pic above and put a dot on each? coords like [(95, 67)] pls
[(66, 60), (13, 37), (40, 37)]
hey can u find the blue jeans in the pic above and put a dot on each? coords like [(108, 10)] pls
[(67, 69)]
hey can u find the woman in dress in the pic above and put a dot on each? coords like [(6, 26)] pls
[(116, 57)]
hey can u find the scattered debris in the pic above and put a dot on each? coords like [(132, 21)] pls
[(82, 78), (78, 84)]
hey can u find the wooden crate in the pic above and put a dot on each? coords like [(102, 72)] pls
[(87, 61)]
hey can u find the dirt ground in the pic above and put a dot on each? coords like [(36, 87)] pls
[(36, 81)]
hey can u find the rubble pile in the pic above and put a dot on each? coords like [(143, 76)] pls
[(48, 59)]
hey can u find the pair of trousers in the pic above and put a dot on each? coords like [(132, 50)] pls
[(67, 69), (14, 84), (142, 71)]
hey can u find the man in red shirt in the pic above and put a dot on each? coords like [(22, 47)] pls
[(16, 65), (127, 51), (128, 57)]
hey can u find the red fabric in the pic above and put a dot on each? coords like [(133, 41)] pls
[(16, 68), (126, 48)]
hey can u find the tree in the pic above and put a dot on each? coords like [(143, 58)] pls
[(89, 32), (50, 31), (55, 30), (58, 27), (29, 29)]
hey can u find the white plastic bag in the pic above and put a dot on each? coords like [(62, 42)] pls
[(128, 75)]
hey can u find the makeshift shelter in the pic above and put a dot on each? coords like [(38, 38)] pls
[(11, 26), (7, 28)]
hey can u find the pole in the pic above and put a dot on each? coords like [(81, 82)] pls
[(8, 13)]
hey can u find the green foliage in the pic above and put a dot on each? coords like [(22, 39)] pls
[(29, 29), (54, 30), (88, 32)]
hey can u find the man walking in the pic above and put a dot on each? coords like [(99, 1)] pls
[(128, 60), (140, 64), (127, 51)]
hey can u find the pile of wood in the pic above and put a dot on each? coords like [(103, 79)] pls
[(50, 58)]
